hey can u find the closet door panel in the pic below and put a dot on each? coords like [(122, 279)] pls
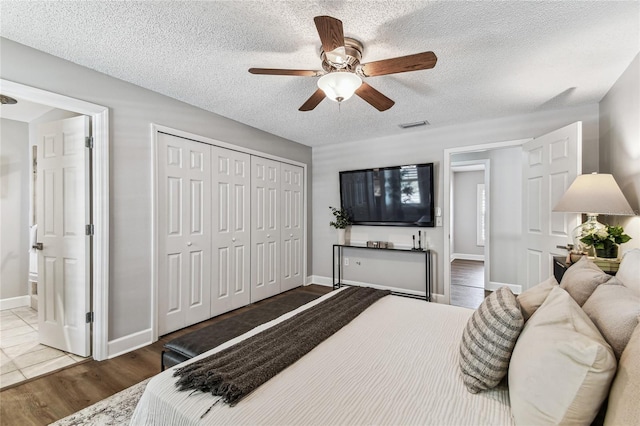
[(292, 211), (184, 232), (265, 228), (231, 234)]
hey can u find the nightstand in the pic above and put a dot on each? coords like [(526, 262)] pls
[(560, 266)]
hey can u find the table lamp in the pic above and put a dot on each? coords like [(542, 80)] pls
[(593, 194)]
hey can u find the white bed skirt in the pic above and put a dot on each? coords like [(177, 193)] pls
[(396, 363)]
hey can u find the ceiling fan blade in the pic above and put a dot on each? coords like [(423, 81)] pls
[(277, 71), (313, 101), (330, 32), (415, 62), (375, 98)]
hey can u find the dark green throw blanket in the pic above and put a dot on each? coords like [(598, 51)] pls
[(236, 371)]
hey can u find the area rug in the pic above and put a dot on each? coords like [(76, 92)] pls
[(115, 410)]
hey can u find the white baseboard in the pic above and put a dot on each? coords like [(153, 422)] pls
[(14, 302), (437, 298), (129, 343), (326, 281), (316, 279), (493, 286), (462, 256)]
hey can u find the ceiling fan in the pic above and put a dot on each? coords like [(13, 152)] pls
[(342, 71)]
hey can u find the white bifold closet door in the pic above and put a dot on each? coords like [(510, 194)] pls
[(265, 228), (184, 228), (231, 284), (291, 226)]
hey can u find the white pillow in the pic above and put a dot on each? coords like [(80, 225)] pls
[(629, 270), (561, 367)]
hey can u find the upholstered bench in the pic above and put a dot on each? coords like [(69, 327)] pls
[(199, 341)]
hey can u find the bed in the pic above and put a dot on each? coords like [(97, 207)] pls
[(396, 363)]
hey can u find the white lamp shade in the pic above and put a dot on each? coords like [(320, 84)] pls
[(596, 193), (339, 86)]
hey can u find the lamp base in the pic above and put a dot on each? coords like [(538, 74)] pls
[(591, 225)]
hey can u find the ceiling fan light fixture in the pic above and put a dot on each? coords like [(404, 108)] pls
[(339, 86)]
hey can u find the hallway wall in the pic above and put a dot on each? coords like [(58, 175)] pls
[(14, 209)]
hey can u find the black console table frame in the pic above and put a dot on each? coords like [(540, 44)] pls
[(337, 272)]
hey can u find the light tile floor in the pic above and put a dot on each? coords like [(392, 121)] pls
[(21, 356)]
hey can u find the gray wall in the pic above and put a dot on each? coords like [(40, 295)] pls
[(465, 212), (620, 145), (422, 146), (14, 208), (132, 109)]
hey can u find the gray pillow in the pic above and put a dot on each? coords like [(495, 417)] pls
[(488, 340), (625, 389), (531, 299), (582, 278), (614, 309)]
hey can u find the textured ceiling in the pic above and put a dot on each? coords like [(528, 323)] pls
[(494, 58)]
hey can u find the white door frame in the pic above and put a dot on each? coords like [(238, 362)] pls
[(155, 129), (100, 203), (446, 297)]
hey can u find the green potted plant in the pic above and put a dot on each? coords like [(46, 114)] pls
[(605, 241), (342, 219)]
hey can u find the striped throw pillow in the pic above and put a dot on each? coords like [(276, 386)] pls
[(488, 340)]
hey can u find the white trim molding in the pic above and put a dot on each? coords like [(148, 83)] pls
[(493, 286), (462, 256), (129, 343), (14, 302), (100, 203)]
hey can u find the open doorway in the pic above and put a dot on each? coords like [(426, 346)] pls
[(503, 215), (469, 210), (20, 298), (37, 314)]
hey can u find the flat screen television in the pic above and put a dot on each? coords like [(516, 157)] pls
[(390, 196)]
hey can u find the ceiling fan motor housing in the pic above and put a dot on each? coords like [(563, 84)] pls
[(350, 58)]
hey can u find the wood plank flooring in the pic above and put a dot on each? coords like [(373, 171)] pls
[(467, 283), (49, 398)]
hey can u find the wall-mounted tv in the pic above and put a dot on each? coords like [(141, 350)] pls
[(390, 196)]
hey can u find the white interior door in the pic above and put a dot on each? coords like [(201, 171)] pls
[(265, 228), (550, 163), (63, 195), (184, 232), (291, 226), (231, 286)]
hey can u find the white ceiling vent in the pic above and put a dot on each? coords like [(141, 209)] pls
[(414, 124)]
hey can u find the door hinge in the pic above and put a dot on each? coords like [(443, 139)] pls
[(89, 317), (89, 229), (88, 142)]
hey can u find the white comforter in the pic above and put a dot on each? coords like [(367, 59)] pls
[(396, 363)]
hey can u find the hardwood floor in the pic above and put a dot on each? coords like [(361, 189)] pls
[(46, 399), (467, 283)]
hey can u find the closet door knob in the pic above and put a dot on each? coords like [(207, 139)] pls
[(189, 244), (268, 235), (291, 235), (233, 239)]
